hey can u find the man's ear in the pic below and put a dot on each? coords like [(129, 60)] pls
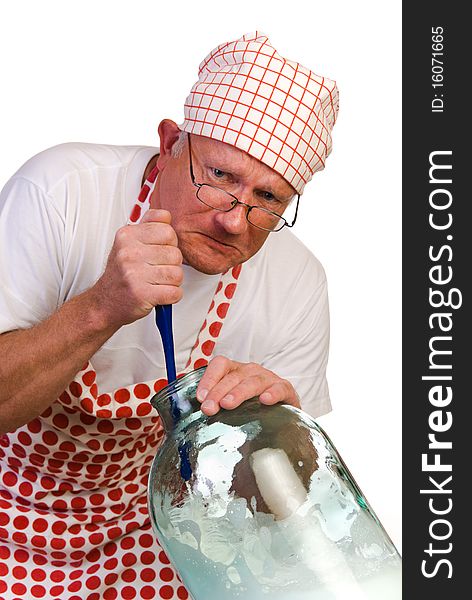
[(168, 135)]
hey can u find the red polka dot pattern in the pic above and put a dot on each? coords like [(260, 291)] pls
[(229, 290), (143, 194), (73, 484), (204, 347), (136, 213), (207, 347), (222, 309)]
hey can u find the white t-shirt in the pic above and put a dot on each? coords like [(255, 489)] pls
[(58, 217)]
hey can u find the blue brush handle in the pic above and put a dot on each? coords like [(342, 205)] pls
[(164, 324)]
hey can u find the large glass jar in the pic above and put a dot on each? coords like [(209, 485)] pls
[(256, 502)]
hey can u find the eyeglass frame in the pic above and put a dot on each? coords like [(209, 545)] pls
[(236, 200)]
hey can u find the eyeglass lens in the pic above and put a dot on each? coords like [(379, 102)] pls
[(221, 200)]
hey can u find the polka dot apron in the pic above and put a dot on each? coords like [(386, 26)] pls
[(74, 522)]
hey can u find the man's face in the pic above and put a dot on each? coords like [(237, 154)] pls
[(212, 241)]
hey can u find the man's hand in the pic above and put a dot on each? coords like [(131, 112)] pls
[(227, 384), (144, 269)]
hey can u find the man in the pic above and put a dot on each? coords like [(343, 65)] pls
[(81, 356)]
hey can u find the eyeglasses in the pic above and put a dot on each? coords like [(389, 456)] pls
[(218, 199)]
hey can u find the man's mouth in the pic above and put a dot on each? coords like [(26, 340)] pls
[(219, 242)]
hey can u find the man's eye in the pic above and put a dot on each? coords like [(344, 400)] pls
[(218, 173), (267, 197)]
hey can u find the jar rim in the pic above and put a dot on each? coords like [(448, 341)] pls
[(176, 386)]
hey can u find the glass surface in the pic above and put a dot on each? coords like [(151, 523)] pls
[(256, 502)]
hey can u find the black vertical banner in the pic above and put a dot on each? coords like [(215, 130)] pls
[(437, 332)]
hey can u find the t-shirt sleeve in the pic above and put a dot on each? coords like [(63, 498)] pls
[(31, 242), (301, 352)]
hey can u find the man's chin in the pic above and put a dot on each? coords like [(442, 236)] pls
[(208, 256), (209, 265)]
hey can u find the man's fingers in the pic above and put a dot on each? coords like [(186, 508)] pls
[(161, 234), (220, 390), (280, 391), (144, 269), (155, 228), (157, 215), (165, 294), (245, 389), (152, 234), (215, 371), (165, 275), (227, 384), (156, 255), (162, 255)]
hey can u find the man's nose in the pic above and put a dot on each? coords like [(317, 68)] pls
[(234, 221)]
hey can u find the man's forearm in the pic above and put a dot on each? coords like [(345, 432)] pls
[(37, 364), (144, 270)]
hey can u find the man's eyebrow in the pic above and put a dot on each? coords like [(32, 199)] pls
[(220, 163)]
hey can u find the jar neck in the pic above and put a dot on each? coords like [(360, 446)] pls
[(178, 399)]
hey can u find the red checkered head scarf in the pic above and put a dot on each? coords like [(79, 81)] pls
[(276, 110)]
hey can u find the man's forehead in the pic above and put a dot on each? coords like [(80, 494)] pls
[(281, 116), (232, 159)]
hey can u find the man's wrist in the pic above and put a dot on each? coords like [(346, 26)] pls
[(94, 315)]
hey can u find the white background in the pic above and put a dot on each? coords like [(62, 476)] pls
[(108, 71)]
